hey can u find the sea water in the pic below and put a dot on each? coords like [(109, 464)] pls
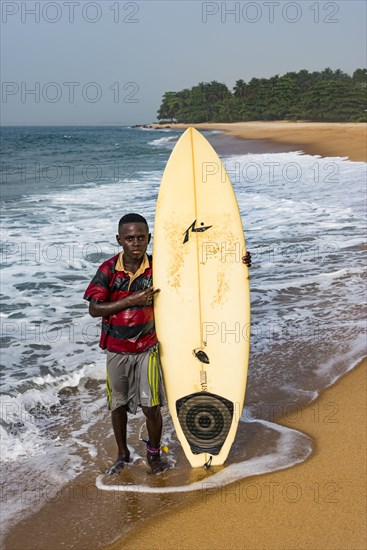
[(63, 192)]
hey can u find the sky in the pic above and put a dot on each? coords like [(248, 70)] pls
[(111, 61)]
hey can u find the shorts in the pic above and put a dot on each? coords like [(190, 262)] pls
[(134, 379)]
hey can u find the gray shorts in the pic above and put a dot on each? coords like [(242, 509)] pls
[(134, 379)]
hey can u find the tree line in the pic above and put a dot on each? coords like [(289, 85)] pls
[(322, 96)]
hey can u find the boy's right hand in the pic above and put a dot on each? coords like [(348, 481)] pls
[(143, 297)]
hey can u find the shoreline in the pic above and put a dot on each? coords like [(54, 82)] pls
[(327, 139), (319, 503), (328, 488)]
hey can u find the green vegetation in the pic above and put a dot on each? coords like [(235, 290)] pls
[(326, 96)]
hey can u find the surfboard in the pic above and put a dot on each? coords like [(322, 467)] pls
[(202, 312)]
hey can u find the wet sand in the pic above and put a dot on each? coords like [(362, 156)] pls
[(318, 504), (337, 139)]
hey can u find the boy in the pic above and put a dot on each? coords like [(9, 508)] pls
[(121, 293)]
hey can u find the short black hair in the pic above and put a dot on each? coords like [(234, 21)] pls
[(133, 218)]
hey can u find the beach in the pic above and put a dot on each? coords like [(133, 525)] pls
[(338, 139), (308, 327), (318, 504)]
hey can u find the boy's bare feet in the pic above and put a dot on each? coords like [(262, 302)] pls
[(118, 465), (156, 464)]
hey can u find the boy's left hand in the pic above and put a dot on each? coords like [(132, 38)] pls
[(247, 259)]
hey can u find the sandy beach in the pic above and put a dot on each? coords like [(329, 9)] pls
[(337, 139), (318, 504)]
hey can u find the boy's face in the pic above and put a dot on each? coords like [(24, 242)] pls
[(134, 239)]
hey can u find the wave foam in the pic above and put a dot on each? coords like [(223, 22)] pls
[(292, 448)]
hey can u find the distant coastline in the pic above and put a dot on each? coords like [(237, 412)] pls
[(320, 96), (327, 139)]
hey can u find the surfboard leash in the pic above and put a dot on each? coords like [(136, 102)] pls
[(208, 463), (151, 450)]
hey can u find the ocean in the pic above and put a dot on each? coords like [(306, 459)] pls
[(63, 190)]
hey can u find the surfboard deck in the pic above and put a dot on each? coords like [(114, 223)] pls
[(202, 313)]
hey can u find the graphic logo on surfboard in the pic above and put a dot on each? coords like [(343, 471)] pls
[(194, 230)]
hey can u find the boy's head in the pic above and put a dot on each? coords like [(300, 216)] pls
[(132, 218), (133, 235)]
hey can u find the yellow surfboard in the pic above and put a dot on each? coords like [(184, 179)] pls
[(202, 313)]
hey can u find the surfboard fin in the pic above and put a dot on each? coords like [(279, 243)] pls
[(201, 355)]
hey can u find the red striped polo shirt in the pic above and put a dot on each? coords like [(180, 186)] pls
[(132, 330)]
